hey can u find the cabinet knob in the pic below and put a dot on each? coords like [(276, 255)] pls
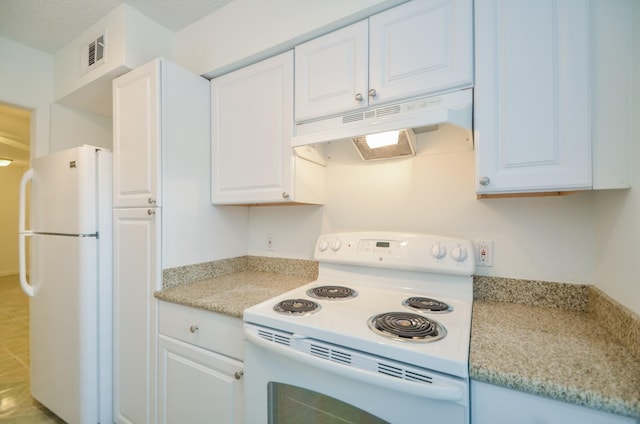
[(285, 195), (372, 93), (151, 201), (194, 328), (485, 181), (151, 212), (238, 374), (359, 97)]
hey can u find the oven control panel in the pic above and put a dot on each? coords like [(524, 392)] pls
[(410, 251)]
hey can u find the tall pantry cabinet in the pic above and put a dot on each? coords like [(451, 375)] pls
[(161, 116)]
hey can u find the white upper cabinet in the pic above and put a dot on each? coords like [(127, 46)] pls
[(136, 138), (252, 124), (534, 99), (421, 47)]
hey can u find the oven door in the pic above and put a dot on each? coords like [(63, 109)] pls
[(291, 379)]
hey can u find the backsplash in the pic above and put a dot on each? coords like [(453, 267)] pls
[(172, 277), (531, 292)]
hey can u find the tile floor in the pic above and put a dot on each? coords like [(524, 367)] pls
[(16, 404)]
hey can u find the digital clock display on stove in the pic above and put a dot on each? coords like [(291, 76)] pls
[(383, 244)]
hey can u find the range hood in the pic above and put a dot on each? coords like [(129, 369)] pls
[(451, 108)]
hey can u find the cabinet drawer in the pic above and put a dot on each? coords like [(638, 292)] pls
[(205, 329)]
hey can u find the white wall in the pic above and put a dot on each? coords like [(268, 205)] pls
[(72, 127), (534, 238), (26, 81), (555, 239), (618, 214)]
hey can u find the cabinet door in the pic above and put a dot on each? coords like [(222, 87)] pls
[(198, 386), (532, 96), (252, 124), (136, 137), (136, 241), (331, 73), (421, 47)]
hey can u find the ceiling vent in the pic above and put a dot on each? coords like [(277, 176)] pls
[(93, 53)]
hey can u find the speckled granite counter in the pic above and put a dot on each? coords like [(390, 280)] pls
[(232, 293), (542, 338), (554, 348), (230, 286)]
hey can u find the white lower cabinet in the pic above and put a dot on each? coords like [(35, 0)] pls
[(492, 404), (200, 367)]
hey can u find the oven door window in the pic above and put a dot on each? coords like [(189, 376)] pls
[(294, 405)]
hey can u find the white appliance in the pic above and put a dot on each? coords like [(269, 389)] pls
[(453, 108), (69, 283), (381, 336)]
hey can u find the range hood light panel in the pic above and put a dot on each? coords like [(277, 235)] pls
[(388, 138), (402, 145), (5, 162)]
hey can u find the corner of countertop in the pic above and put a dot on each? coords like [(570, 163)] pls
[(621, 322)]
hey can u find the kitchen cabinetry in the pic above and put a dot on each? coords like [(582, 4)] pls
[(535, 103), (252, 124), (200, 368), (420, 47), (136, 235), (491, 404), (136, 138), (161, 142)]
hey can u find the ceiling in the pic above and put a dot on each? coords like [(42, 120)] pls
[(49, 25)]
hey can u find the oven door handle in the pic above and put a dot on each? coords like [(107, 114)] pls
[(436, 391)]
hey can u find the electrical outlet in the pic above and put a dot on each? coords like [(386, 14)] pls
[(484, 252), (270, 242)]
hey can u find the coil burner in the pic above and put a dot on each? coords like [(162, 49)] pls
[(332, 292), (426, 304), (297, 307), (406, 326)]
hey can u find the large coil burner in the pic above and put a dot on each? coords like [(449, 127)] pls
[(406, 326)]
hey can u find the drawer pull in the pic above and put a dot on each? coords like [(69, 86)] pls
[(194, 328), (238, 375)]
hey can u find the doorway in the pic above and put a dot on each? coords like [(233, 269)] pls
[(16, 403)]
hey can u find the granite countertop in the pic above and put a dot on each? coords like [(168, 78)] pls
[(564, 354), (230, 294), (546, 339)]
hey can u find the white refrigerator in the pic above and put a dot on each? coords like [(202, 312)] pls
[(69, 281)]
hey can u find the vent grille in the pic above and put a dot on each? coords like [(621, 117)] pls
[(354, 117), (369, 114), (389, 110), (93, 53), (405, 374), (330, 354), (276, 338), (347, 357)]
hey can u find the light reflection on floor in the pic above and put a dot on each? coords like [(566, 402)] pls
[(16, 404)]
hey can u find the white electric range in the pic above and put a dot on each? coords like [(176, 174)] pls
[(389, 315)]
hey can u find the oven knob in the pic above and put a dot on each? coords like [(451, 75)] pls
[(336, 245), (438, 251), (322, 246), (459, 254)]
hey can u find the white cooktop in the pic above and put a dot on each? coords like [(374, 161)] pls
[(358, 261)]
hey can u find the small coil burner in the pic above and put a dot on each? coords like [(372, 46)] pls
[(426, 304), (332, 292), (297, 307), (406, 326)]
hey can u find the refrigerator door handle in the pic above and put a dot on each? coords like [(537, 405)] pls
[(23, 233)]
